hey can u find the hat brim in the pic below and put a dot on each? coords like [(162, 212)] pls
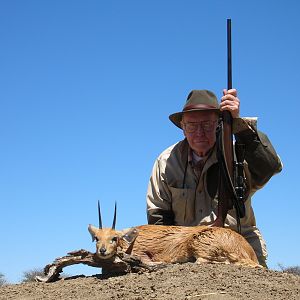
[(177, 117)]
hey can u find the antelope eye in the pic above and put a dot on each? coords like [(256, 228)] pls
[(114, 239)]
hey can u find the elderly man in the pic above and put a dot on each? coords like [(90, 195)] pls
[(184, 181)]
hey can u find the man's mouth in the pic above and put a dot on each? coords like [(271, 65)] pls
[(200, 141)]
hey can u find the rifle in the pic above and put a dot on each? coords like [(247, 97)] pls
[(231, 174)]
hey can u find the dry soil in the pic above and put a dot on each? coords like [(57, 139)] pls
[(180, 281)]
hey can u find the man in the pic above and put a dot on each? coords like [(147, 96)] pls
[(184, 181)]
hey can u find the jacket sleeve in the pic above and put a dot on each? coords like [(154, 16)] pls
[(159, 208), (262, 159)]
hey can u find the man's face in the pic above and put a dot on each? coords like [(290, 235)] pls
[(199, 128)]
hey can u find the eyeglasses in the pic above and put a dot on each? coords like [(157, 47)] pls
[(206, 126)]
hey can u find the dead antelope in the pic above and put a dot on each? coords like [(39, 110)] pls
[(156, 244)]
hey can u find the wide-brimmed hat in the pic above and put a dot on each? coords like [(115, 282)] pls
[(197, 100)]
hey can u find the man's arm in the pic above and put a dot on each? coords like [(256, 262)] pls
[(263, 161), (159, 209)]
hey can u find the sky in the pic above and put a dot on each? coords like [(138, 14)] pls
[(86, 91)]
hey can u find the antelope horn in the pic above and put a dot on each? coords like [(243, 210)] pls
[(99, 216), (115, 217)]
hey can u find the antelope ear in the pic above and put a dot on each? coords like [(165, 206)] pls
[(129, 235), (92, 229)]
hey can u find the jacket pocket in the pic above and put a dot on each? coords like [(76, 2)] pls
[(183, 205)]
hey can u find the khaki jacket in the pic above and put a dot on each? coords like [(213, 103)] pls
[(176, 196)]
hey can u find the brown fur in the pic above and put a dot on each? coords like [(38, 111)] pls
[(156, 244)]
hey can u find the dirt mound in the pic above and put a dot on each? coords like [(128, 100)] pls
[(185, 281)]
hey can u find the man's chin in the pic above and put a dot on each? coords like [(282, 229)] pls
[(201, 147)]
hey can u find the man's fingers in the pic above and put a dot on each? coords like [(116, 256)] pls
[(231, 92), (229, 107), (231, 98), (230, 102)]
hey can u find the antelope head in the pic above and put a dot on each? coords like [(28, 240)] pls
[(107, 239)]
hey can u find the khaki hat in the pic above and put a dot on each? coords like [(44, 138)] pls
[(197, 100)]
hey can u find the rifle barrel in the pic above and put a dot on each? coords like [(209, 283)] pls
[(229, 57)]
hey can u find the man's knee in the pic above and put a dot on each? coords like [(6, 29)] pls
[(255, 239)]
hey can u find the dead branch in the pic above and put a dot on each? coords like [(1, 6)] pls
[(120, 264)]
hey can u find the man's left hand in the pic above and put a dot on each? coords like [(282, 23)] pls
[(230, 102)]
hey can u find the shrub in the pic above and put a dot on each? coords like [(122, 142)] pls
[(29, 276), (293, 270), (2, 279)]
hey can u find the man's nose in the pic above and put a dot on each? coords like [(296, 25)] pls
[(199, 130)]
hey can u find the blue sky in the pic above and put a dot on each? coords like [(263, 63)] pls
[(86, 90)]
